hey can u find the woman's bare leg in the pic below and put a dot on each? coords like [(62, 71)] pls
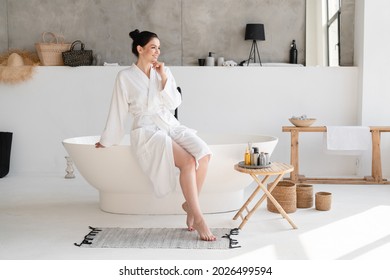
[(190, 217), (201, 172), (186, 163), (200, 177)]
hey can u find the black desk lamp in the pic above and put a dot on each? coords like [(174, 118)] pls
[(254, 31)]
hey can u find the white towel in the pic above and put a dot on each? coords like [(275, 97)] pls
[(348, 138), (110, 64)]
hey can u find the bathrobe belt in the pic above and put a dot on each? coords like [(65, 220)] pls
[(157, 118)]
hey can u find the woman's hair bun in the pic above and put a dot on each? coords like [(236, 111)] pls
[(134, 34)]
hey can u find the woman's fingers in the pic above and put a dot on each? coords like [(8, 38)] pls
[(98, 145)]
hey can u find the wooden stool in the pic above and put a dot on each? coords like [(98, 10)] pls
[(275, 169)]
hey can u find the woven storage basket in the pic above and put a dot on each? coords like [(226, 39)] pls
[(286, 195), (323, 201), (304, 196), (50, 52)]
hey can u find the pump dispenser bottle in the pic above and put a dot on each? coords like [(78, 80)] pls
[(210, 60), (255, 156), (293, 53)]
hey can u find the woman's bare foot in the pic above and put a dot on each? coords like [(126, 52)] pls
[(204, 231), (190, 218)]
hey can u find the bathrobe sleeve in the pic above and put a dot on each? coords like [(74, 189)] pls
[(170, 96), (118, 112)]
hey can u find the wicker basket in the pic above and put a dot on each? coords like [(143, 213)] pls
[(304, 196), (50, 52), (285, 195), (323, 201)]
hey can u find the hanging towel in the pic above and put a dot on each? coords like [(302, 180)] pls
[(348, 138)]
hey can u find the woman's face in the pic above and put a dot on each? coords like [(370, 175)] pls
[(151, 51)]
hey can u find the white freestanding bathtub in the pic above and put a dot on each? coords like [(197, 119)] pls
[(125, 189)]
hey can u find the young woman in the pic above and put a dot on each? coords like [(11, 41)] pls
[(148, 91)]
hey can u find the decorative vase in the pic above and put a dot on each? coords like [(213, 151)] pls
[(69, 168)]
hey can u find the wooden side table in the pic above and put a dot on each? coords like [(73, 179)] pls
[(275, 169)]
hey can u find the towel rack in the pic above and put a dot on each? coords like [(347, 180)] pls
[(376, 167)]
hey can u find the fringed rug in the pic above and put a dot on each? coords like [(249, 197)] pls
[(157, 238)]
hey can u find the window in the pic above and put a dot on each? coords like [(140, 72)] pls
[(333, 32)]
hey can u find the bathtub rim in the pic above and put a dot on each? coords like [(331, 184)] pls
[(252, 138)]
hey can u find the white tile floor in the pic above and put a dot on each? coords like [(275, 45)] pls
[(42, 215)]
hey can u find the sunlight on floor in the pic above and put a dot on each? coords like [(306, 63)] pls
[(268, 251), (363, 235)]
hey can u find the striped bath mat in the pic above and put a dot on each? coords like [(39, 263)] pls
[(172, 238)]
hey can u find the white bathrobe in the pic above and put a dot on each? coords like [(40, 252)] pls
[(154, 125)]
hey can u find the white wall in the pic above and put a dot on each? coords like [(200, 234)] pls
[(62, 102), (373, 59), (375, 66), (59, 102)]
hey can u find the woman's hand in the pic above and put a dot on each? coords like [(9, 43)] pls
[(98, 145), (159, 67)]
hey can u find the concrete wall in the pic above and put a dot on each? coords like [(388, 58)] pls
[(347, 34), (3, 26), (188, 29)]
